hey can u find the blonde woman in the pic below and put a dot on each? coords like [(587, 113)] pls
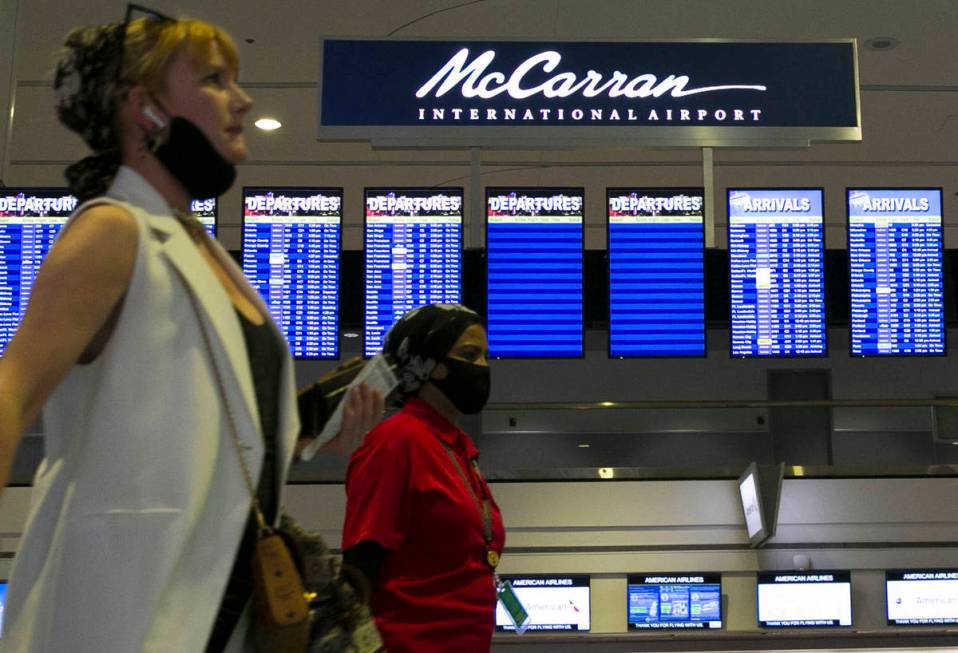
[(142, 342)]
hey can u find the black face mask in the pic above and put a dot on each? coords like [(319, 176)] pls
[(190, 157), (466, 385)]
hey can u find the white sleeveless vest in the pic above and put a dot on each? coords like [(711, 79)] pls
[(140, 503)]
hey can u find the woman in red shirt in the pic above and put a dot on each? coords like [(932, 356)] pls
[(421, 523)]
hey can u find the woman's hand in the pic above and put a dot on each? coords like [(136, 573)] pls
[(362, 411)]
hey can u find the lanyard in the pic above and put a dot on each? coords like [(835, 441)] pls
[(483, 504)]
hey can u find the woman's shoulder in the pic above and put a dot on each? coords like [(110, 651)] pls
[(107, 211), (399, 430), (102, 217)]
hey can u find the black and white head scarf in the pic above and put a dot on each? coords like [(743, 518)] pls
[(421, 338), (85, 85)]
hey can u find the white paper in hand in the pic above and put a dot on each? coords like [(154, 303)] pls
[(377, 374)]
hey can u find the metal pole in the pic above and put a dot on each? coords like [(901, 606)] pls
[(477, 201), (9, 19), (708, 183)]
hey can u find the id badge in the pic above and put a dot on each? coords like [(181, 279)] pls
[(513, 606)]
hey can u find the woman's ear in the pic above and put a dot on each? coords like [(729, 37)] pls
[(142, 110), (439, 372)]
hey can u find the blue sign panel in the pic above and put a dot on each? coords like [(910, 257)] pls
[(291, 242), (895, 270), (674, 601), (534, 249), (508, 84), (776, 248), (413, 255), (205, 211), (656, 272), (30, 220)]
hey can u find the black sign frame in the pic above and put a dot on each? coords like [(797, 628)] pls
[(579, 133)]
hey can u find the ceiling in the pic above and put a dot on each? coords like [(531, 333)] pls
[(909, 96)]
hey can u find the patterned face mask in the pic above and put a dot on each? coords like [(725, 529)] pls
[(86, 85), (421, 338)]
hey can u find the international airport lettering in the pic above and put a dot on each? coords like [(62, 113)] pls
[(311, 204), (32, 204), (474, 81), (670, 203), (474, 114), (535, 205), (814, 578), (415, 205)]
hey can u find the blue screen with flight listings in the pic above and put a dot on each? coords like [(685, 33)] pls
[(30, 219), (413, 255), (656, 272), (291, 244), (776, 245), (895, 272), (534, 249)]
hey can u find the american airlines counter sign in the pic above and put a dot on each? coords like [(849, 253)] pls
[(464, 93)]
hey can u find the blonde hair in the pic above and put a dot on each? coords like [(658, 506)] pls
[(151, 45)]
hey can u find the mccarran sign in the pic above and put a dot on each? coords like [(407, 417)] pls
[(402, 89)]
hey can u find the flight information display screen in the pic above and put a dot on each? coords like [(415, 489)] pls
[(291, 243), (656, 272), (922, 597), (776, 244), (206, 211), (895, 271), (553, 602), (30, 219), (413, 255), (534, 249), (674, 601), (796, 599)]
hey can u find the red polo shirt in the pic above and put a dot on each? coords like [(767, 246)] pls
[(434, 592)]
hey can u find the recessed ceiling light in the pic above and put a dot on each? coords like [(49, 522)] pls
[(268, 124), (882, 43), (584, 445)]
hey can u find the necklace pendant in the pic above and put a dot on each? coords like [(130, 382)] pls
[(492, 558)]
